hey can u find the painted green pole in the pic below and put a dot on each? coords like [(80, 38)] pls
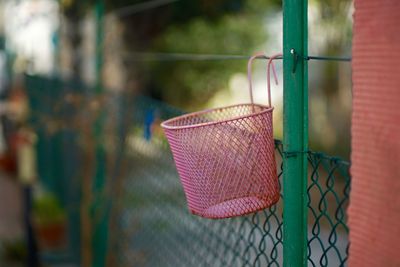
[(295, 139), (99, 15), (100, 205), (56, 43)]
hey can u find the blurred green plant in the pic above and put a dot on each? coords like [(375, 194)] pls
[(197, 26), (47, 210), (191, 84), (14, 250), (330, 33), (232, 27)]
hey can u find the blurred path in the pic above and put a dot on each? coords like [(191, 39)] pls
[(10, 208)]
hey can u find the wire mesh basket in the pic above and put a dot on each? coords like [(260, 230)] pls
[(225, 157)]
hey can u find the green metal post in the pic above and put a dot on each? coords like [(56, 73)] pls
[(99, 13), (100, 203), (295, 139), (56, 42)]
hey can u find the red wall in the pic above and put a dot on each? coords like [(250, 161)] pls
[(374, 213)]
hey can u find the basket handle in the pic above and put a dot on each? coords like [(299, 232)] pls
[(270, 63)]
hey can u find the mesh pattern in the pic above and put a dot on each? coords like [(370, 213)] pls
[(149, 224), (328, 192), (217, 115), (226, 163), (152, 227)]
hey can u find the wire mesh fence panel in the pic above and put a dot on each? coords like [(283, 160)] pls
[(328, 191), (151, 225), (59, 155)]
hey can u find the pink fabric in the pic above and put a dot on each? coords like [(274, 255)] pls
[(374, 212)]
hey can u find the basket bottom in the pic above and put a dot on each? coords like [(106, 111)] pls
[(237, 207)]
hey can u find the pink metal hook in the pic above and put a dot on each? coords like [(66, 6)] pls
[(271, 63), (249, 76)]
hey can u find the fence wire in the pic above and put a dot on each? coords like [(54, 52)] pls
[(150, 224)]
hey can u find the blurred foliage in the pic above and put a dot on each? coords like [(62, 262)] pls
[(190, 84), (186, 9), (330, 96), (198, 26), (232, 27), (229, 27), (14, 250), (47, 210)]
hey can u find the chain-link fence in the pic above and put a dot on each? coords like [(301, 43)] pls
[(59, 155), (150, 224)]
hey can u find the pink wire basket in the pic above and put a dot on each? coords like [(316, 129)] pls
[(225, 157)]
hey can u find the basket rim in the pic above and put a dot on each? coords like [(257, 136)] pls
[(165, 125)]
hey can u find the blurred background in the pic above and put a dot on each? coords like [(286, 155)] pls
[(72, 73)]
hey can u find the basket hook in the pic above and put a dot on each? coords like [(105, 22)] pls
[(270, 63)]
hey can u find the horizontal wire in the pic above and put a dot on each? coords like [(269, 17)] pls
[(183, 57), (321, 155), (329, 158), (136, 8), (149, 56), (328, 58), (145, 56)]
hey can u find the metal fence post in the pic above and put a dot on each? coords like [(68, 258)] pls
[(295, 139), (99, 202)]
